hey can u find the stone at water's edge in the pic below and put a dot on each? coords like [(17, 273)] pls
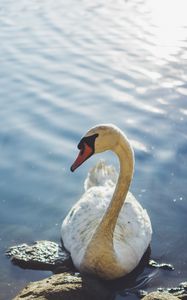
[(43, 255), (179, 291), (164, 266), (65, 286), (176, 293), (160, 296), (72, 286)]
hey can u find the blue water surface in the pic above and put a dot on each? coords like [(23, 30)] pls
[(66, 66)]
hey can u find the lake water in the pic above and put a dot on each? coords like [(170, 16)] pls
[(66, 66)]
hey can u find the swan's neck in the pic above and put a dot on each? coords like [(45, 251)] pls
[(126, 159), (102, 239)]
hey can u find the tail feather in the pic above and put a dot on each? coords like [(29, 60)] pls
[(101, 174)]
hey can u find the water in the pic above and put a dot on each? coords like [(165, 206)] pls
[(66, 66)]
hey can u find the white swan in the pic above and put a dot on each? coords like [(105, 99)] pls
[(107, 231)]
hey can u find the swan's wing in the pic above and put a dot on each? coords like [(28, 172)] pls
[(101, 175), (133, 232)]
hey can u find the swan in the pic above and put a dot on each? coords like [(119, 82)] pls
[(107, 231)]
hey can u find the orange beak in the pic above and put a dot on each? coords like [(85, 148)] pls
[(83, 155)]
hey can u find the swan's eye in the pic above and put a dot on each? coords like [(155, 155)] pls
[(87, 140), (81, 144)]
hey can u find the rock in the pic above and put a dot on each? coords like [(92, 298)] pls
[(65, 286), (179, 291), (160, 296), (182, 293), (164, 266), (43, 255)]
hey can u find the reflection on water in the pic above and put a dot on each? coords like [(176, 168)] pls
[(168, 26), (66, 66)]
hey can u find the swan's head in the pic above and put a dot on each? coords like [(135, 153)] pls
[(98, 139)]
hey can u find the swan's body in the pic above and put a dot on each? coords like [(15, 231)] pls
[(107, 231)]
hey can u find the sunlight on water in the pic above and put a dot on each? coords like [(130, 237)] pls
[(169, 26)]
